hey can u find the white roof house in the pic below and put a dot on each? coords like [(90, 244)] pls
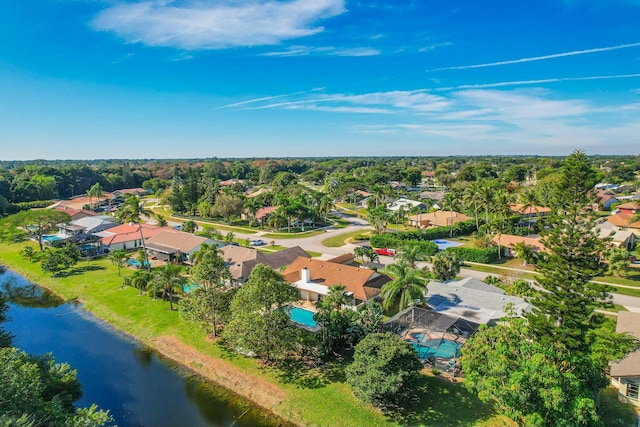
[(471, 301), (405, 204)]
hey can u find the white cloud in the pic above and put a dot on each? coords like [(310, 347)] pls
[(308, 50), (197, 25)]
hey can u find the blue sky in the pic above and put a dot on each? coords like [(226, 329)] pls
[(84, 79)]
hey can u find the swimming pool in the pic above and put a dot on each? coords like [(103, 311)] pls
[(135, 263), (445, 349), (189, 287), (444, 244), (302, 316), (51, 238)]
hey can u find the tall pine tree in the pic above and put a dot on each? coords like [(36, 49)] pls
[(566, 311)]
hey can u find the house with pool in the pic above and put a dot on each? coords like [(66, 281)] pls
[(474, 301), (241, 260), (313, 278), (127, 236), (174, 246)]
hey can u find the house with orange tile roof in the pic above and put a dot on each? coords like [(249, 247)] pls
[(314, 278), (623, 221), (75, 213), (529, 212), (508, 242), (438, 218), (629, 208), (128, 236)]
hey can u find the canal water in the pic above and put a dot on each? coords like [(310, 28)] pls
[(137, 386)]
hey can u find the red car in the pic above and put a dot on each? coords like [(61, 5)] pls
[(386, 251)]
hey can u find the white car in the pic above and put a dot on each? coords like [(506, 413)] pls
[(257, 242)]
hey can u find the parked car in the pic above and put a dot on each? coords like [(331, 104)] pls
[(386, 251), (257, 242)]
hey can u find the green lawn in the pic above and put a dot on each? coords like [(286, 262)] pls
[(339, 240), (292, 235), (323, 400), (313, 397)]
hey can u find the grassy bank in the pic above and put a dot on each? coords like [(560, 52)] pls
[(310, 396), (341, 239)]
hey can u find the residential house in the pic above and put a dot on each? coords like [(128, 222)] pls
[(262, 214), (629, 208), (314, 277), (605, 200), (624, 221), (434, 196), (405, 204), (530, 211), (85, 228), (468, 300), (175, 246), (620, 229), (230, 182), (75, 213), (128, 236), (508, 242), (128, 192), (256, 193), (625, 373), (80, 202), (241, 261), (436, 219)]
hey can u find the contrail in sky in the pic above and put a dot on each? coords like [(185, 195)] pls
[(538, 58)]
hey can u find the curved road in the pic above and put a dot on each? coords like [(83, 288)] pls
[(314, 244)]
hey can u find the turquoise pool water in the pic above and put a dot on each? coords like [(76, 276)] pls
[(302, 316), (447, 349), (186, 288), (444, 244), (135, 263), (51, 238)]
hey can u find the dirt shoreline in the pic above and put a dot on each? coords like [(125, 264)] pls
[(262, 393)]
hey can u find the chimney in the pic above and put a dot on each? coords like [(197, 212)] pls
[(304, 275)]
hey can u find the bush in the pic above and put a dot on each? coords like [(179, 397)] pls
[(481, 255), (385, 370)]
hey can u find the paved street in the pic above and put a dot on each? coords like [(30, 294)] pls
[(314, 244)]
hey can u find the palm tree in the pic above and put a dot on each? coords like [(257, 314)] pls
[(411, 254), (189, 226), (485, 199), (197, 256), (95, 192), (502, 209), (161, 220), (372, 255), (118, 258), (529, 200), (472, 200), (132, 210), (406, 284), (140, 279), (450, 203), (170, 278), (336, 297), (360, 252), (523, 252)]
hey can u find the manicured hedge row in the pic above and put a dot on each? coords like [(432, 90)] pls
[(389, 240), (482, 255)]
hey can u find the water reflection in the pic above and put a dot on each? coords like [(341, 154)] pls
[(139, 387)]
